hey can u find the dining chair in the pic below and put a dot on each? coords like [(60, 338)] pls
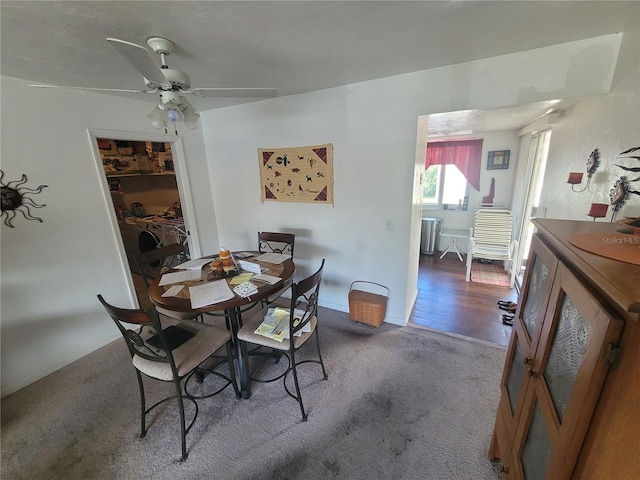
[(490, 238), (174, 354), (276, 242), (154, 262), (302, 323)]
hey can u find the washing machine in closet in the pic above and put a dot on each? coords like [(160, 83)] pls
[(153, 234)]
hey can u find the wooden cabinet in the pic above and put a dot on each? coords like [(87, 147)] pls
[(534, 298), (571, 334)]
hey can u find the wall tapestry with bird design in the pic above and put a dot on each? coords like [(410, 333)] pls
[(297, 174)]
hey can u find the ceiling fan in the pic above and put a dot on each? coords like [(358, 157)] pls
[(170, 84)]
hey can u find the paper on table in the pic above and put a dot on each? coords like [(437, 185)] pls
[(177, 277), (241, 278), (195, 264), (173, 291), (246, 289), (263, 277), (273, 257), (249, 266), (210, 293)]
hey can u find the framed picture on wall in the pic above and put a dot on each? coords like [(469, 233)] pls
[(498, 160)]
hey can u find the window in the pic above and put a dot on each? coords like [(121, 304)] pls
[(444, 185), (450, 167)]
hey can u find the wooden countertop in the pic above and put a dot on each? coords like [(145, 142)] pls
[(616, 280)]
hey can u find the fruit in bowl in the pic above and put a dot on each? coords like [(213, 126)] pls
[(631, 223)]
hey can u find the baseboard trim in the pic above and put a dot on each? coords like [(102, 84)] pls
[(77, 355)]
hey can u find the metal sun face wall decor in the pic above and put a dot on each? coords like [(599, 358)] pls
[(16, 198)]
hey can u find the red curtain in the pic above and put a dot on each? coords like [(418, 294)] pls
[(464, 154)]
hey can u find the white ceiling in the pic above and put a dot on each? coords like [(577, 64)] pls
[(293, 46)]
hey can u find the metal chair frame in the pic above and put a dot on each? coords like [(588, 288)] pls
[(275, 242), (136, 343), (163, 258), (304, 296)]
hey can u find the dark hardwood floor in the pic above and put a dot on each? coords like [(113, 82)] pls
[(447, 303)]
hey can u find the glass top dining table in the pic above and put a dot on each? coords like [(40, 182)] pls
[(231, 308)]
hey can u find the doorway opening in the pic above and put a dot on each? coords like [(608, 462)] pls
[(144, 189), (538, 152)]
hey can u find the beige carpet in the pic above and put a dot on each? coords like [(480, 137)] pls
[(401, 403)]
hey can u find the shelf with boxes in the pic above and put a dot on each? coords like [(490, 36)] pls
[(120, 157)]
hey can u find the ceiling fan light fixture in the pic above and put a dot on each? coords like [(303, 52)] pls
[(156, 118), (190, 117), (172, 113)]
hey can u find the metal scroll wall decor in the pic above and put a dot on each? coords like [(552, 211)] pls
[(621, 188), (16, 198), (575, 178)]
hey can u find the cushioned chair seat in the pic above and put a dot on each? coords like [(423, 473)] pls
[(247, 334), (187, 356)]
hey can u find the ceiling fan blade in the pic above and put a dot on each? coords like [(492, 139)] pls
[(140, 58), (234, 92), (123, 90)]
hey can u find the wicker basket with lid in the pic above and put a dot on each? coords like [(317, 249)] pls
[(366, 306)]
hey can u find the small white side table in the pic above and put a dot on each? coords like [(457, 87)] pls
[(454, 235)]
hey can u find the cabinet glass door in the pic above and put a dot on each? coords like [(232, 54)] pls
[(537, 447), (541, 271), (566, 374), (539, 275), (568, 347), (516, 375)]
